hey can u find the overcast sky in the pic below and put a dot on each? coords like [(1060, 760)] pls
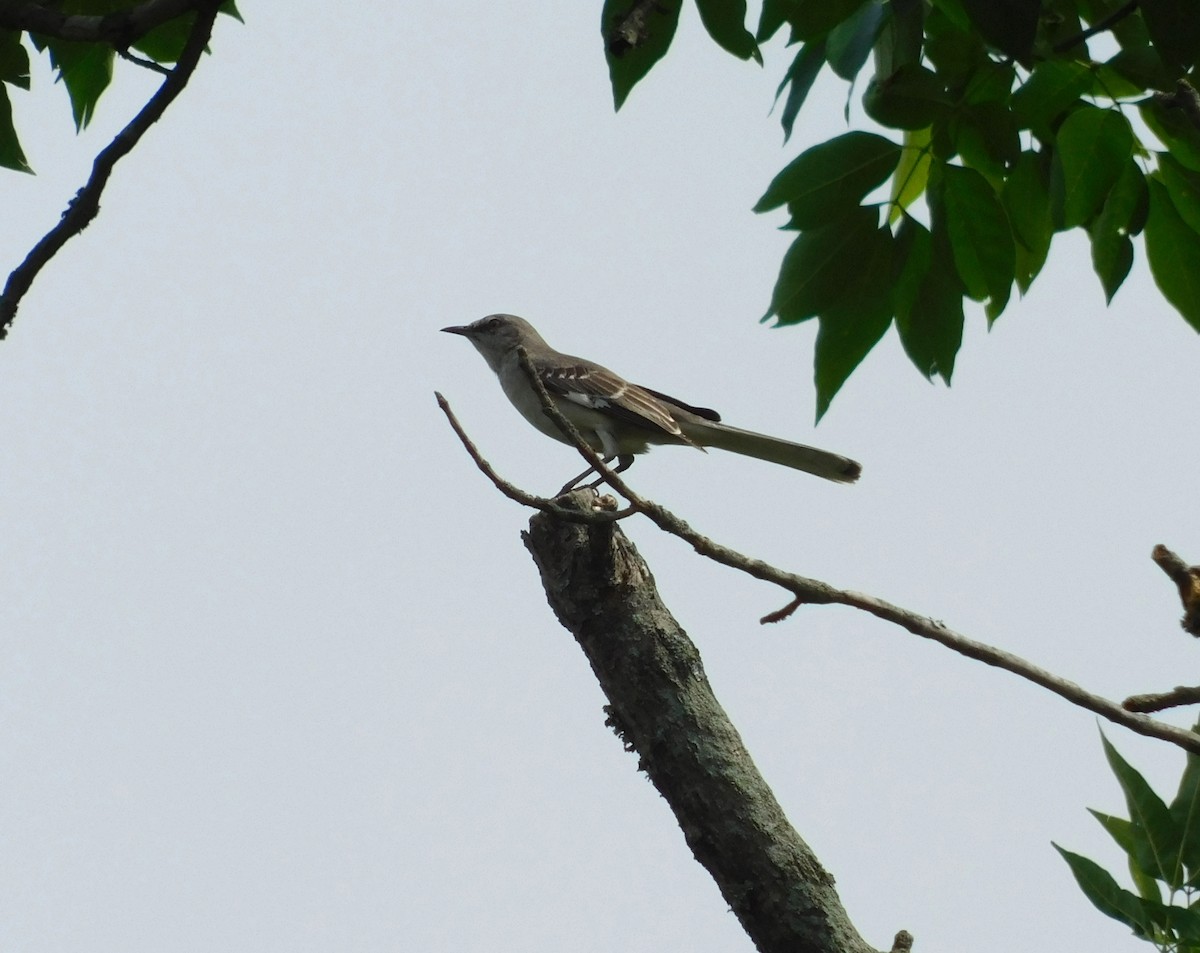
[(278, 674)]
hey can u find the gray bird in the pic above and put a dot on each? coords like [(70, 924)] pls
[(619, 419)]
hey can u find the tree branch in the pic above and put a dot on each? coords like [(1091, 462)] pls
[(83, 208), (662, 706), (118, 29)]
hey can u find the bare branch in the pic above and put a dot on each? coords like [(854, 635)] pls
[(1099, 27), (118, 29), (1161, 701), (583, 514), (83, 208), (1187, 580)]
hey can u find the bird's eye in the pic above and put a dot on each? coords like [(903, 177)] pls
[(491, 324)]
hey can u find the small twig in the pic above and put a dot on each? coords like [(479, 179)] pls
[(1187, 580), (515, 493), (780, 614), (1101, 26), (86, 204), (144, 63), (1161, 701)]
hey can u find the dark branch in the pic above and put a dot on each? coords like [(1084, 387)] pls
[(118, 29), (1187, 581), (1099, 27), (1161, 701), (83, 208)]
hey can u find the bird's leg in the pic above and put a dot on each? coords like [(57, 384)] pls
[(624, 462)]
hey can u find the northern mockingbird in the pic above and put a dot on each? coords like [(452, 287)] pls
[(616, 418)]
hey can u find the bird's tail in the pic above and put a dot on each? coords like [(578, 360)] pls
[(820, 463)]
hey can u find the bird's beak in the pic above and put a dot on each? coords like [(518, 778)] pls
[(459, 329)]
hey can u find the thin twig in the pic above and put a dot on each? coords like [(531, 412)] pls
[(1099, 27), (86, 204), (515, 493), (144, 63)]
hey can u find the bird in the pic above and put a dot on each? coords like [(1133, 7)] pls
[(618, 419)]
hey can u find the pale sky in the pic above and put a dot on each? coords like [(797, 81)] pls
[(278, 672)]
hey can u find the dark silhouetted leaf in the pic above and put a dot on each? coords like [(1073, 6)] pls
[(636, 35), (911, 98), (855, 323), (86, 70), (814, 18), (11, 155), (850, 42), (1175, 32), (14, 59), (1185, 809), (1093, 147), (800, 76), (774, 14), (1051, 88), (725, 21), (166, 41), (954, 51), (822, 266), (901, 35), (1173, 250), (829, 179), (1008, 25)]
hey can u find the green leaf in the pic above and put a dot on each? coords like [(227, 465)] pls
[(725, 21), (1184, 188), (11, 155), (1121, 831), (1135, 69), (1026, 199), (931, 325), (1175, 32), (86, 71), (831, 178), (850, 42), (1156, 840), (911, 98), (821, 266), (954, 51), (811, 19), (912, 172), (980, 236), (1173, 250), (1174, 130), (1008, 25), (1121, 215), (1110, 899), (774, 14), (636, 36), (1185, 810), (1094, 146), (1053, 86), (986, 137), (900, 36), (165, 42), (800, 75), (14, 59), (856, 322)]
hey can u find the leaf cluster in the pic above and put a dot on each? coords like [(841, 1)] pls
[(84, 68), (1162, 843), (1011, 120)]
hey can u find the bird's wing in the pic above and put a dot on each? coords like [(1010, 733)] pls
[(590, 385)]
